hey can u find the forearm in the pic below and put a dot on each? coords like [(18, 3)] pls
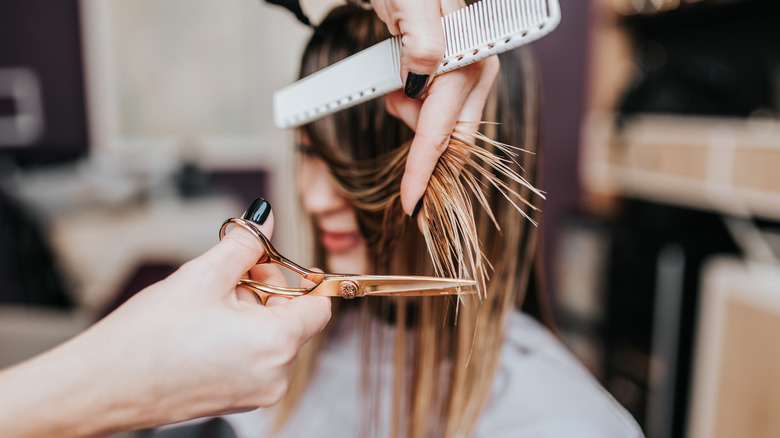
[(75, 390), (186, 347)]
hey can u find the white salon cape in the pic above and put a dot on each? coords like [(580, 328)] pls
[(540, 390)]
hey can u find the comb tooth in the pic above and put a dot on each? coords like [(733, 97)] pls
[(527, 15), (477, 19), (493, 20), (523, 17), (537, 16), (500, 7), (533, 13), (538, 12), (495, 9), (455, 33), (496, 24), (447, 40), (508, 17), (461, 30), (485, 16), (487, 21), (477, 25), (472, 27), (513, 16), (448, 25), (466, 30), (481, 20)]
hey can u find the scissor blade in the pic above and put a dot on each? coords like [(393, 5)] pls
[(353, 286), (414, 286)]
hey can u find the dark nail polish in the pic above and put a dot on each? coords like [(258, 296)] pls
[(415, 84), (416, 209), (258, 212)]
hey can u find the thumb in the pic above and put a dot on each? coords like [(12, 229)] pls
[(239, 250), (308, 314)]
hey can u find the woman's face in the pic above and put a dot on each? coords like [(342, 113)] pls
[(335, 221)]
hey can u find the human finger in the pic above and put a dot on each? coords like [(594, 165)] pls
[(382, 9), (307, 314), (438, 116), (265, 273), (405, 109), (274, 300), (422, 39), (456, 96), (473, 107), (239, 250), (422, 45)]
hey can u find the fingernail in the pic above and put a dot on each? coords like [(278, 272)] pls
[(258, 212), (416, 209), (415, 84)]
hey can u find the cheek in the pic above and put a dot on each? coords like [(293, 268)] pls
[(313, 178), (303, 177), (316, 189)]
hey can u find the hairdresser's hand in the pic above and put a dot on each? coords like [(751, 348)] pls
[(459, 95), (189, 346)]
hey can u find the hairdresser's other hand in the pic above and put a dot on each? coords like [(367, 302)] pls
[(189, 346), (459, 95)]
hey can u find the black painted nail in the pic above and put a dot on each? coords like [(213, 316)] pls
[(258, 212), (416, 209), (415, 84)]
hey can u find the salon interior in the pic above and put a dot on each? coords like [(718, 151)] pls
[(130, 129)]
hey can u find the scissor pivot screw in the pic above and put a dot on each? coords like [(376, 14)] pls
[(348, 289)]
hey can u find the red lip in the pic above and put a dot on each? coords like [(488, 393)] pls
[(339, 242)]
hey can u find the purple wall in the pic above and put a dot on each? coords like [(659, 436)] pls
[(562, 61)]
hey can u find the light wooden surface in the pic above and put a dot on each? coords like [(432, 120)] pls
[(721, 164), (736, 373)]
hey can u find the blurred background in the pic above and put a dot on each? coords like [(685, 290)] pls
[(129, 129)]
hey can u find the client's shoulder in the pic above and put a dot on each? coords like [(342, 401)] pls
[(541, 389)]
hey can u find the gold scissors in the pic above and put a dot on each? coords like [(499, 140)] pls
[(343, 285)]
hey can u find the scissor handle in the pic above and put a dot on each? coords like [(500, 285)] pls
[(272, 256), (263, 290)]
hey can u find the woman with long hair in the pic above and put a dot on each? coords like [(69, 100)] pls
[(472, 365)]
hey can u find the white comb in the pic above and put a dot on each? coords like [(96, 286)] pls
[(473, 33)]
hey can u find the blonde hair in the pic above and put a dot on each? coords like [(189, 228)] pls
[(445, 351)]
